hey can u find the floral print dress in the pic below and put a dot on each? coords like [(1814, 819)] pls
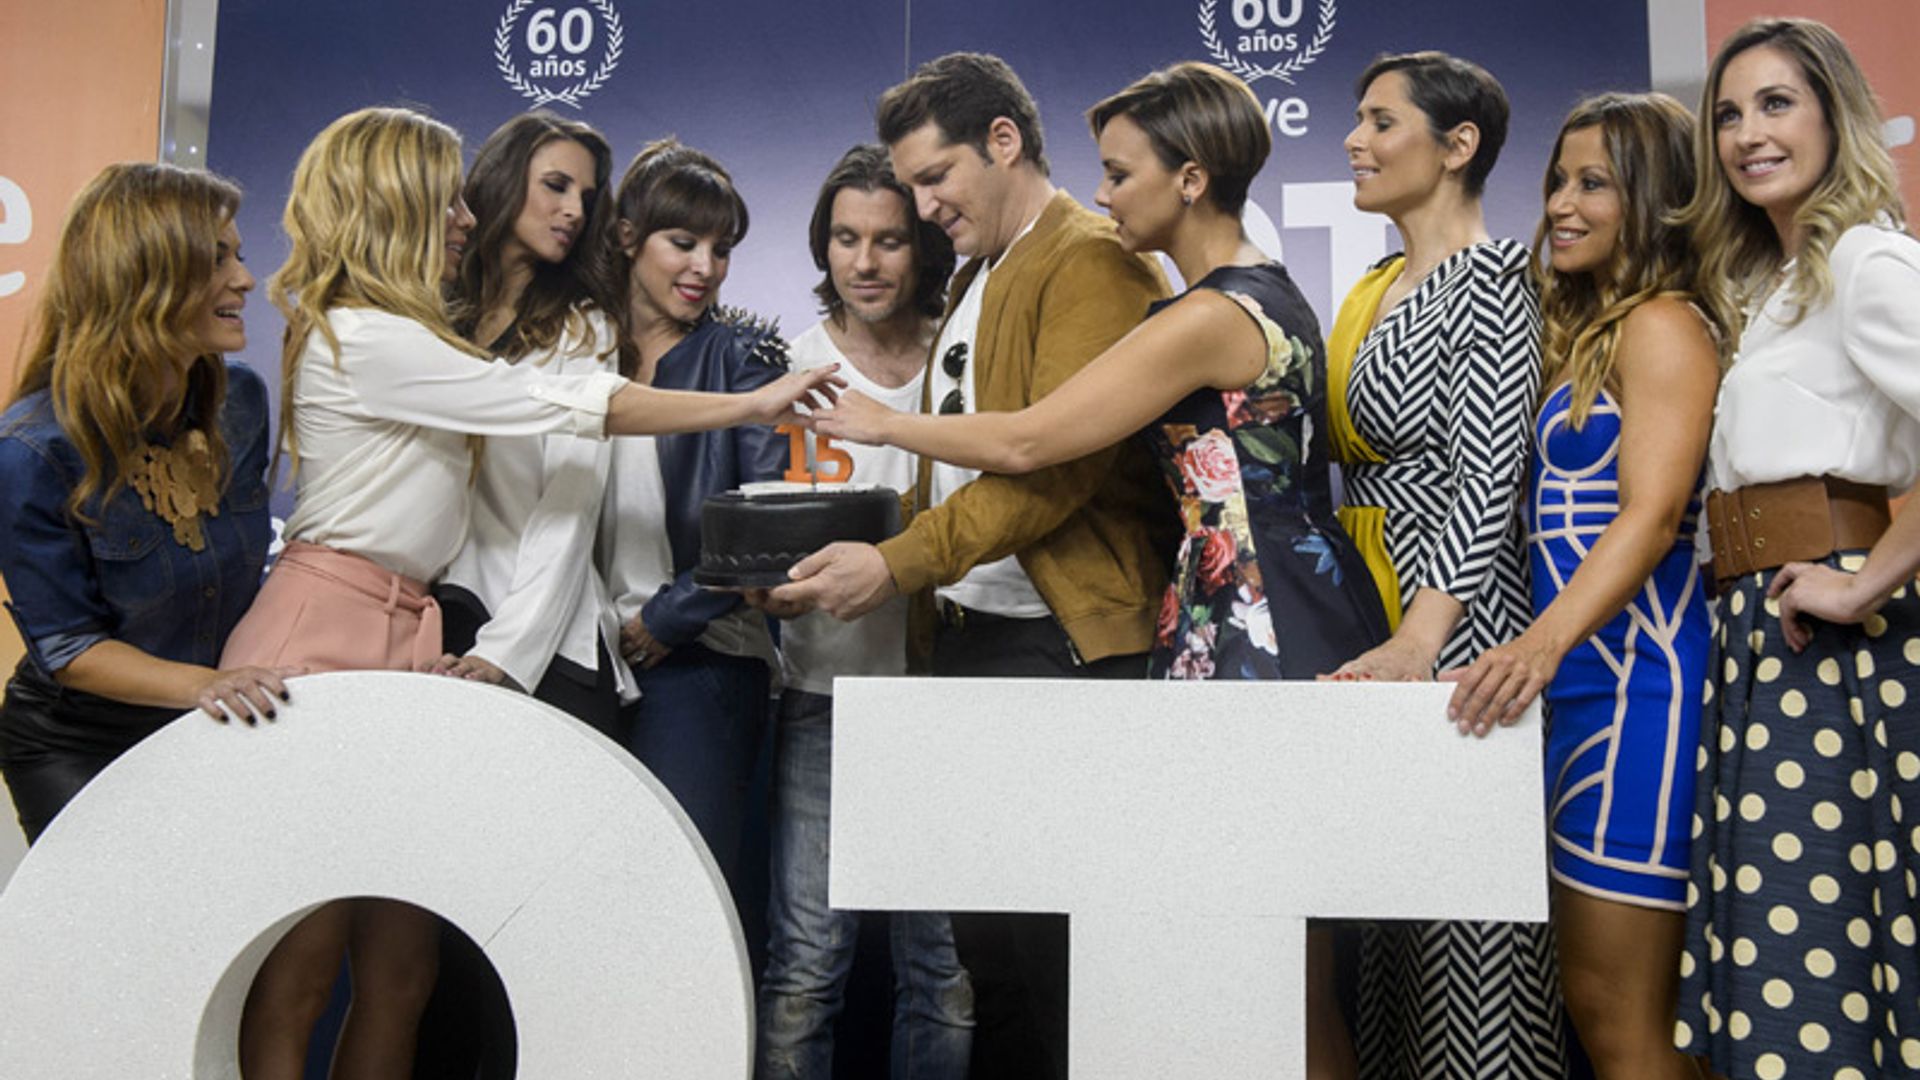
[(1266, 584)]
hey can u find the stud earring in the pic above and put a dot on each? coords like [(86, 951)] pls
[(1186, 200)]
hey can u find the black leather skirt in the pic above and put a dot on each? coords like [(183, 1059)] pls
[(54, 739)]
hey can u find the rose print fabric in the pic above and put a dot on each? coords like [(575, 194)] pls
[(1265, 584)]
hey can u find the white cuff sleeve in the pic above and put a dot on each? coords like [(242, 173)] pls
[(589, 401)]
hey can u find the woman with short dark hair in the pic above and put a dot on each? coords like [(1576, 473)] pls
[(1434, 362), (1226, 384)]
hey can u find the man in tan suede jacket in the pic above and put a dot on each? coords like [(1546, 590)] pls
[(1055, 573)]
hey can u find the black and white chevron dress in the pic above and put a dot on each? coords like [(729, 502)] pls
[(1444, 389)]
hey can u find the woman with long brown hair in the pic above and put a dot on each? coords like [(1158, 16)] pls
[(133, 498), (1619, 637), (702, 659), (522, 603)]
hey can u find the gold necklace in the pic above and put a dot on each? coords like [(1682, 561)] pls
[(177, 482)]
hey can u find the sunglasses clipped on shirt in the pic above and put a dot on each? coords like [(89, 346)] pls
[(954, 363)]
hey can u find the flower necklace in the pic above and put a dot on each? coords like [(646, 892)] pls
[(178, 483)]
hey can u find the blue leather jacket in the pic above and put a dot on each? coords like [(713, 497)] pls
[(727, 352), (125, 577)]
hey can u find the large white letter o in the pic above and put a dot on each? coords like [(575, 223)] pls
[(132, 930)]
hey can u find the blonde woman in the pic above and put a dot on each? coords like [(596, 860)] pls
[(381, 400), (1800, 957), (1618, 645), (133, 499)]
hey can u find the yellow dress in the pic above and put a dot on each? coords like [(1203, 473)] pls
[(1430, 413), (1365, 524)]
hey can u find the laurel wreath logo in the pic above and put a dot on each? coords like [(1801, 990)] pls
[(1286, 69), (540, 95)]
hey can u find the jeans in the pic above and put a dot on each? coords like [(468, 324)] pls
[(697, 728), (811, 946)]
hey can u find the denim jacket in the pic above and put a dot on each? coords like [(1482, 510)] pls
[(124, 577), (728, 351)]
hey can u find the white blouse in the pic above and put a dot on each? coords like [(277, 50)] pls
[(1837, 394), (384, 467), (529, 552)]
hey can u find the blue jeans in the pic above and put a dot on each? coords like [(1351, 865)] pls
[(697, 728), (811, 946)]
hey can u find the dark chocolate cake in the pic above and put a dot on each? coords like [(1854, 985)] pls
[(751, 540)]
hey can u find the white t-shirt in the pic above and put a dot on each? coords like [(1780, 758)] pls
[(1837, 394), (384, 467), (999, 587), (529, 551), (815, 648)]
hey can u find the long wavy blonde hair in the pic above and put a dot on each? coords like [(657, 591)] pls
[(1649, 147), (112, 334), (1739, 248), (367, 217)]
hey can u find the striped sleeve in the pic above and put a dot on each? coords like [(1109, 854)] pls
[(1491, 376)]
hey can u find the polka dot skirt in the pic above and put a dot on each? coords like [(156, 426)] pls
[(1800, 956)]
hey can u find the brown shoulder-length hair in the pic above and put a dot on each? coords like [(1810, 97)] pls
[(866, 168), (670, 185), (1648, 139), (496, 190), (111, 339)]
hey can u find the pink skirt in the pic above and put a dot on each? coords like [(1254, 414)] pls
[(328, 610)]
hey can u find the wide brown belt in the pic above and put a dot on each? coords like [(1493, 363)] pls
[(1762, 526)]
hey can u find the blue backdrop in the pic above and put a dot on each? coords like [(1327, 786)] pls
[(777, 89)]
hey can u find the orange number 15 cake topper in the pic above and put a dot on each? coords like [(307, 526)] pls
[(813, 459)]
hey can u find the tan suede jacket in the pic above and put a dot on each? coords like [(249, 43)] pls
[(1090, 532)]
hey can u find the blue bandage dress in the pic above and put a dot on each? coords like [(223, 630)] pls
[(1623, 713)]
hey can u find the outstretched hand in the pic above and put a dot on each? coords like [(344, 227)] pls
[(855, 418), (793, 397)]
